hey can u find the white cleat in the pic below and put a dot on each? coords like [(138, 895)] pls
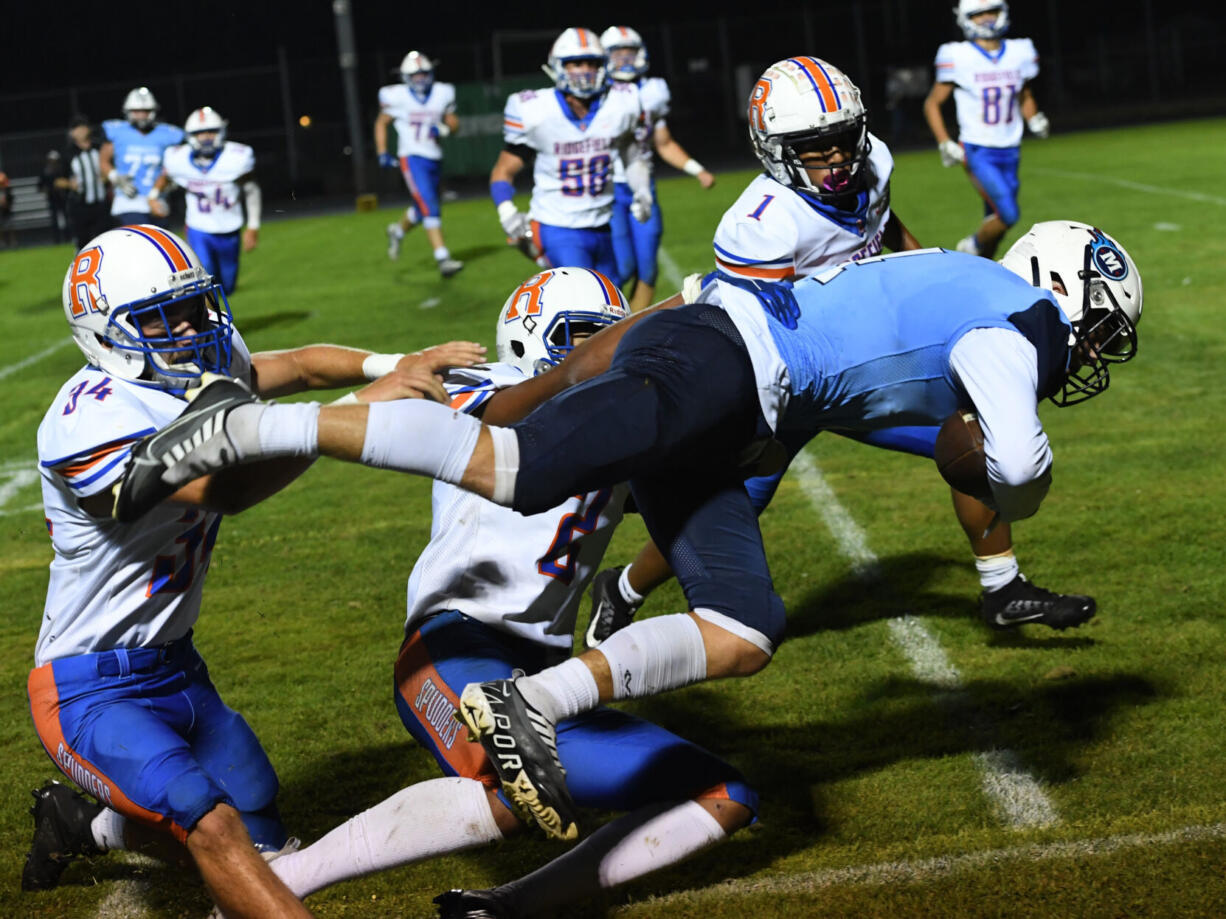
[(449, 266), (394, 236)]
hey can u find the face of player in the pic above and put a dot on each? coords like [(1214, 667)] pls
[(622, 58), (177, 321), (206, 140), (828, 162), (141, 118)]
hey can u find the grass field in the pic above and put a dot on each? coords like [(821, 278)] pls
[(910, 762)]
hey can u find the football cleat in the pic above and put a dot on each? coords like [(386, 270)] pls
[(394, 236), (472, 904), (62, 832), (1019, 603), (449, 267), (610, 610), (969, 245), (194, 444), (523, 748)]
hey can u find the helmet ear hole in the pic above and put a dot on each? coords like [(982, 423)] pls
[(517, 347)]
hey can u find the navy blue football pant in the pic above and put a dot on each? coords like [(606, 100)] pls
[(672, 415)]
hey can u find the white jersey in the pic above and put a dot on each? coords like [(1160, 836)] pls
[(520, 575), (655, 99), (986, 88), (774, 232), (417, 119), (214, 197), (115, 585), (572, 178)]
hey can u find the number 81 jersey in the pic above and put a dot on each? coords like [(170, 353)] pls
[(573, 175), (214, 199), (986, 88)]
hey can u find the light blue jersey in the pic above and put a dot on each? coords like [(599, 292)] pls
[(866, 345), (139, 155)]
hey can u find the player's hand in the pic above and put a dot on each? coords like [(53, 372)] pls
[(440, 357), (1039, 125), (706, 179), (440, 130), (952, 153), (415, 383), (251, 238), (515, 223), (640, 207), (387, 161), (123, 182), (158, 206)]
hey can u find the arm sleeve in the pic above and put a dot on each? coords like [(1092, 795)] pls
[(998, 368), (514, 129)]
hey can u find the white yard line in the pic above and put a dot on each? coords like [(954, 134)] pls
[(1133, 186), (923, 870), (33, 358), (1016, 794), (672, 274), (14, 481)]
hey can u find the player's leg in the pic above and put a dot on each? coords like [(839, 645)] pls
[(988, 172), (565, 246), (202, 245), (619, 225), (646, 238), (426, 175), (226, 248)]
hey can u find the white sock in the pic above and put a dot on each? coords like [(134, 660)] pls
[(431, 818), (629, 847), (996, 571), (414, 435), (107, 828), (629, 594), (441, 253), (562, 691), (291, 429)]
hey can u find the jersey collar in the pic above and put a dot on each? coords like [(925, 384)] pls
[(581, 123)]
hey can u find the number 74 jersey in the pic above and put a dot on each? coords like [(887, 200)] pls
[(214, 199), (573, 175)]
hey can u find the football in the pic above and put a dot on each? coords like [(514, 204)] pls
[(959, 455)]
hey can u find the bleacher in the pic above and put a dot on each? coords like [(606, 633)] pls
[(30, 210)]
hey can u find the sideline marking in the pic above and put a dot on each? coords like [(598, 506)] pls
[(922, 870), (1017, 794), (1134, 186), (672, 274), (429, 303), (33, 359)]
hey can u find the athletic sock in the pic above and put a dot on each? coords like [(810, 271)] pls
[(629, 847), (431, 818), (414, 435), (562, 691), (629, 594), (996, 571), (441, 253), (107, 829)]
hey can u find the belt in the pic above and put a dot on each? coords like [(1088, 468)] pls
[(125, 661)]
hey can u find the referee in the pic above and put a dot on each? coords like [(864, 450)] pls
[(89, 211)]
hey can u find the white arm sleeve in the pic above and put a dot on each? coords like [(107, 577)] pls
[(251, 195), (999, 370)]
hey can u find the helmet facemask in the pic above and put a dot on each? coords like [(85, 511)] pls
[(844, 178), (966, 12)]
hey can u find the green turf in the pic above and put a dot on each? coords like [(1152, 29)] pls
[(858, 762)]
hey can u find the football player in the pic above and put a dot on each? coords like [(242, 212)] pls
[(637, 244), (218, 176), (680, 401), (989, 77), (824, 198), (120, 699), (575, 132), (422, 111), (131, 159), (495, 592)]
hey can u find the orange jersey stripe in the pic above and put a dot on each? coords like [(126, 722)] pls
[(752, 271)]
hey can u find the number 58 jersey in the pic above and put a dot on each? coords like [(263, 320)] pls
[(214, 199), (573, 174), (115, 585), (523, 575)]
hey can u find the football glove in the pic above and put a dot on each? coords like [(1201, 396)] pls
[(123, 182), (1039, 125), (514, 222), (951, 153), (387, 161), (440, 130), (640, 207)]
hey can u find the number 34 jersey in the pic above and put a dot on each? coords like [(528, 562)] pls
[(573, 175), (214, 199), (115, 585), (524, 575)]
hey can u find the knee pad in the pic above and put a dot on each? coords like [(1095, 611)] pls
[(431, 223)]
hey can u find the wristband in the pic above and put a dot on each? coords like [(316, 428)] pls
[(348, 398), (501, 192), (378, 365), (692, 167)]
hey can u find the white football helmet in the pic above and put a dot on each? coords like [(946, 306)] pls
[(805, 101), (632, 62), (417, 71), (201, 122), (1098, 288), (540, 320), (141, 99), (125, 293), (577, 44), (995, 28)]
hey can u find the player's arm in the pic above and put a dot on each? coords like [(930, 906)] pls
[(106, 157), (676, 156), (253, 205), (452, 122), (509, 164), (381, 122), (896, 237), (638, 176), (157, 202), (1036, 121), (937, 97)]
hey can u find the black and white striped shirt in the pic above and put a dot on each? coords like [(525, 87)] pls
[(90, 183)]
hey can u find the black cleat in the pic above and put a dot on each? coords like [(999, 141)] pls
[(193, 444), (523, 748), (610, 610), (62, 832), (472, 904), (1019, 602)]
